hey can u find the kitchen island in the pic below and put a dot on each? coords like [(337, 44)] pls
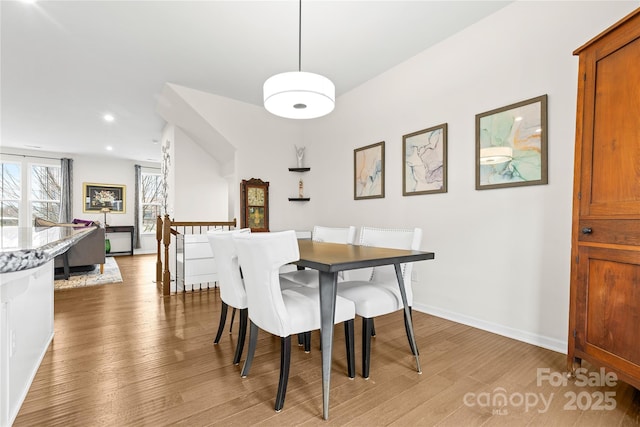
[(26, 305)]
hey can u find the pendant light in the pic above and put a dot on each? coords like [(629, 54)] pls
[(298, 94)]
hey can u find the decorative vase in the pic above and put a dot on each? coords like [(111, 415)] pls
[(107, 245)]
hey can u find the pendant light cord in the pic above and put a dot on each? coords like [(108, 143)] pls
[(300, 36)]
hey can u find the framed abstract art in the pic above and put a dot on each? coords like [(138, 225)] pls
[(424, 166), (511, 145), (368, 172)]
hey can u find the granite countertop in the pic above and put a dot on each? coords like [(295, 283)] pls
[(22, 248)]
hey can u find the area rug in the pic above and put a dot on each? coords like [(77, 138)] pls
[(90, 278)]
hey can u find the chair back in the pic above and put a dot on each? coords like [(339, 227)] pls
[(261, 255), (395, 239), (232, 290), (334, 234)]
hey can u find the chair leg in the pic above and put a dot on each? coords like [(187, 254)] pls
[(300, 340), (307, 342), (253, 340), (412, 345), (223, 318), (285, 359), (233, 317), (367, 324), (244, 315), (373, 329), (351, 357)]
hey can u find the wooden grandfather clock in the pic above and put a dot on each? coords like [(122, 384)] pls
[(254, 204)]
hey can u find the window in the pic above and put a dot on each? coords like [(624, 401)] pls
[(10, 194), (45, 192), (151, 202)]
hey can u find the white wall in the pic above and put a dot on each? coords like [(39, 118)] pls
[(201, 193), (103, 170), (502, 256), (264, 149)]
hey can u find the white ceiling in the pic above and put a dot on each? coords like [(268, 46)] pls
[(64, 64)]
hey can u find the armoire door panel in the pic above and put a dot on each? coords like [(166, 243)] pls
[(616, 131), (611, 319)]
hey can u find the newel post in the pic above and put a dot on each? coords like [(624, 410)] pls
[(159, 252), (166, 237)]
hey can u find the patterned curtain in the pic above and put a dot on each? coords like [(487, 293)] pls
[(136, 215), (66, 190)]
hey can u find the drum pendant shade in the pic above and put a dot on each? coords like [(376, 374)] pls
[(299, 95)]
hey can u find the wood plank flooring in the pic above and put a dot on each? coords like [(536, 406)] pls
[(123, 355)]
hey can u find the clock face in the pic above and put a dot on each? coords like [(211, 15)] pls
[(255, 196)]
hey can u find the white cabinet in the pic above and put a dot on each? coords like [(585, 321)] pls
[(195, 267), (26, 329)]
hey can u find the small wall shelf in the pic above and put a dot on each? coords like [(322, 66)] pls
[(299, 199)]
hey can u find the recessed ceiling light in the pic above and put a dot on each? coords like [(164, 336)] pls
[(109, 148), (108, 118)]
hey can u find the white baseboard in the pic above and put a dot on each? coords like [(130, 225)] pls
[(143, 252), (553, 344)]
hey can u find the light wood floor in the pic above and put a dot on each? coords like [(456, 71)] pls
[(122, 355)]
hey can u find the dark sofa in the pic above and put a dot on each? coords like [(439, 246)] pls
[(88, 251)]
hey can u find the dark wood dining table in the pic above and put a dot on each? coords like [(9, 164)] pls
[(331, 258)]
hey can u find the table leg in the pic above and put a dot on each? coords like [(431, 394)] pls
[(407, 314), (327, 315), (65, 265)]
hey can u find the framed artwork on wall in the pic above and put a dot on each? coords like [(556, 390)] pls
[(511, 145), (368, 172), (104, 196), (424, 166)]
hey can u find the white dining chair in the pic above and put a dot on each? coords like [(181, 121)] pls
[(232, 292), (231, 284), (380, 294), (282, 312), (309, 277)]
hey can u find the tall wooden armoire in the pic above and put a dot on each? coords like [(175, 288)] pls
[(604, 314)]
